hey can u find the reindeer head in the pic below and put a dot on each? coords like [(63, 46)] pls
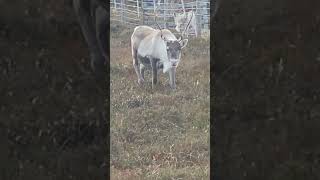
[(173, 49)]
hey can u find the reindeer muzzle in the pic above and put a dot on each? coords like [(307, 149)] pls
[(174, 63)]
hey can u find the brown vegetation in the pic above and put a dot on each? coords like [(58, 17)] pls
[(159, 133)]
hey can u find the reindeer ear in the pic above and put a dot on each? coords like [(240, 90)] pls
[(164, 38), (183, 43)]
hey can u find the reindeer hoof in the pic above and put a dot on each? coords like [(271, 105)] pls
[(173, 87), (98, 63), (140, 81)]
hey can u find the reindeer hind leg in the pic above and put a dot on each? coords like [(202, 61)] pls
[(154, 72), (142, 70), (136, 66)]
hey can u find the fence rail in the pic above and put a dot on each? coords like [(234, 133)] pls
[(143, 12)]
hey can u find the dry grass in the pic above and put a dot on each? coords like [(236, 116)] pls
[(159, 133)]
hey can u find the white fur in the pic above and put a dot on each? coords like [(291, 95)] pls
[(182, 20), (152, 44)]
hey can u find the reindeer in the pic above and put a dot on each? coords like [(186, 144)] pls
[(181, 19), (157, 49), (94, 21)]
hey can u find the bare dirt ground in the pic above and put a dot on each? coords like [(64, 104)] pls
[(159, 133)]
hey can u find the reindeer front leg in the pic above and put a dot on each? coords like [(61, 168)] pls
[(83, 12), (135, 64), (142, 71), (172, 77), (136, 68), (154, 72)]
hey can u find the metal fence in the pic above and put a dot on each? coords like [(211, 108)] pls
[(143, 12)]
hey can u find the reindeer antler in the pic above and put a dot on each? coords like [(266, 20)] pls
[(187, 25), (155, 19)]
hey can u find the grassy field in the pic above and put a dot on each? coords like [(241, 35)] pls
[(159, 133)]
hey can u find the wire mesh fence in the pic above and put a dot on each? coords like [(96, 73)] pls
[(146, 12)]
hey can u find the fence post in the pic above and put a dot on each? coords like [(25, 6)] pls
[(196, 6), (142, 12), (198, 20), (122, 11), (184, 10), (154, 9), (165, 13), (138, 9)]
